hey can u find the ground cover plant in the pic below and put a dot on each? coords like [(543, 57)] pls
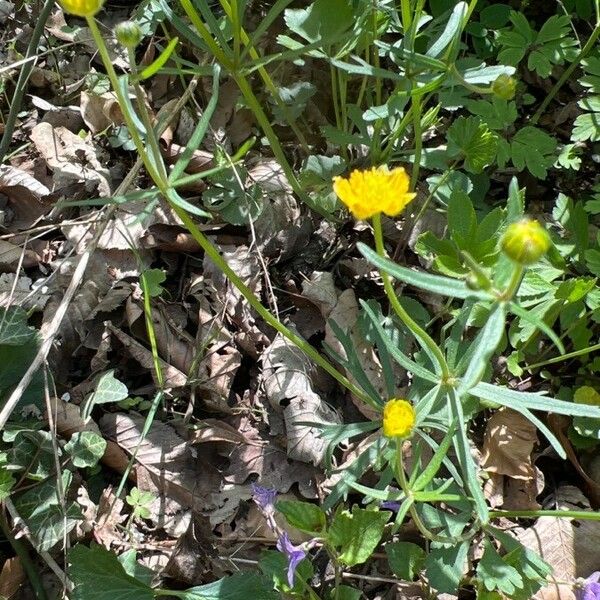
[(299, 299)]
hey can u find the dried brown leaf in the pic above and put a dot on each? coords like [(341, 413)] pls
[(508, 442), (12, 576), (176, 469), (569, 546)]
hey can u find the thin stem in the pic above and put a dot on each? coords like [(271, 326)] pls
[(21, 86), (114, 81), (567, 73), (473, 88), (532, 514), (568, 356), (513, 284), (416, 329), (416, 116)]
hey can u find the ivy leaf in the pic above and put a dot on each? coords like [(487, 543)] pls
[(152, 279), (14, 330), (86, 448), (7, 481), (108, 389), (323, 20), (302, 515), (472, 138), (534, 149), (357, 533), (97, 574), (495, 574)]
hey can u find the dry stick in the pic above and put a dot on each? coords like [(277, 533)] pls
[(77, 278)]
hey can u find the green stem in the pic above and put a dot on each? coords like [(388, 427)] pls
[(416, 330), (416, 116), (23, 78), (473, 88), (513, 284), (567, 73), (568, 356), (531, 514), (114, 81), (26, 562)]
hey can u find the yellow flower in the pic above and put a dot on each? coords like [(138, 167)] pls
[(398, 418), (82, 8), (377, 190), (525, 241)]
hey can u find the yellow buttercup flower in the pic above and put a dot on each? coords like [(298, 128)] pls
[(377, 190), (398, 418), (81, 8)]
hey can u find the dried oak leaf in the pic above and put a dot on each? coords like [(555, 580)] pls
[(173, 464), (568, 545)]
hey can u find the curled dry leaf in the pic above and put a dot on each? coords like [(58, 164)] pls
[(100, 111), (12, 577), (10, 257), (569, 546), (71, 158), (26, 195), (287, 381), (507, 445)]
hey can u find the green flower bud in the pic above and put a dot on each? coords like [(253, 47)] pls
[(525, 241), (128, 34), (473, 282), (504, 87)]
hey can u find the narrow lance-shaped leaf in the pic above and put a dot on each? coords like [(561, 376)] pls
[(444, 286), (485, 344)]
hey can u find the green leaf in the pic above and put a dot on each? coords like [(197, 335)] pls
[(406, 559), (108, 389), (495, 574), (452, 30), (432, 283), (97, 574), (534, 149), (241, 586), (485, 343), (132, 567), (42, 510), (151, 282), (86, 448), (274, 565), (472, 138), (323, 20), (14, 330), (7, 481), (445, 567), (592, 259), (345, 592), (357, 534), (302, 515), (156, 65)]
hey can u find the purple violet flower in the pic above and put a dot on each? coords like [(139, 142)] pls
[(392, 505), (590, 588), (264, 497), (294, 554), (265, 500)]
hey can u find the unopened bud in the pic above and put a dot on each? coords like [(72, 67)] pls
[(128, 34), (525, 241), (504, 86)]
